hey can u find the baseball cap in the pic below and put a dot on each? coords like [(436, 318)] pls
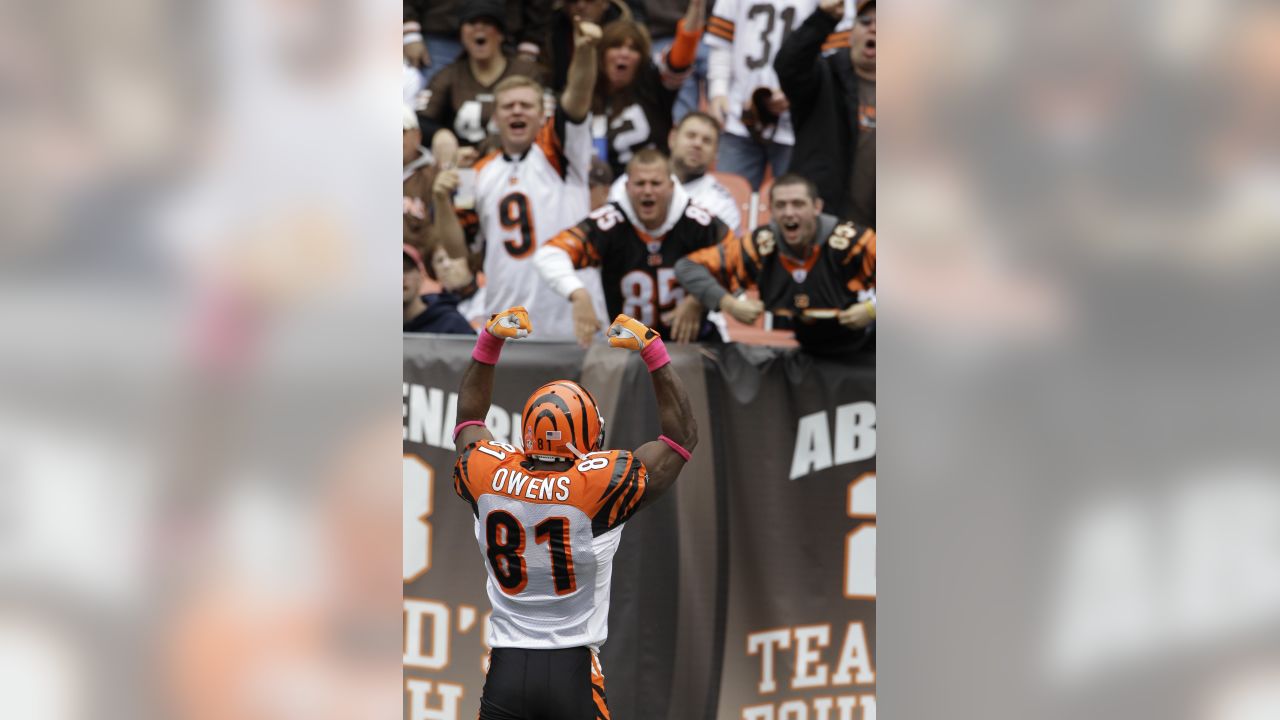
[(410, 118), (476, 9), (412, 253)]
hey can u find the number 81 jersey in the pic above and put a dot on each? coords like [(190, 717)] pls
[(548, 539)]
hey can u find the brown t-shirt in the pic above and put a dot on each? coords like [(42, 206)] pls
[(862, 173), (458, 101)]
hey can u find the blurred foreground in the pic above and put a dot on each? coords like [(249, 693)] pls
[(198, 452)]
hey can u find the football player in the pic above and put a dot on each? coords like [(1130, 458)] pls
[(549, 517)]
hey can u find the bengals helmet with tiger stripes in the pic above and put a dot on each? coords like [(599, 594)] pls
[(562, 420)]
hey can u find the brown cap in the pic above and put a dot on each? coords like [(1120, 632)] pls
[(491, 10)]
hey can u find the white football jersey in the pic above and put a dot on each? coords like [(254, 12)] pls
[(521, 203), (547, 539), (754, 30)]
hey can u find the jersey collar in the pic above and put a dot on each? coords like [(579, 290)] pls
[(516, 159)]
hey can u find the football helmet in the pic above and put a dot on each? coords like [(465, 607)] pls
[(562, 420)]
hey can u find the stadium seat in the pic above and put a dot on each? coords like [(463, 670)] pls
[(763, 215)]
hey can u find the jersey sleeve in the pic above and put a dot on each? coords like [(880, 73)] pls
[(614, 490), (584, 242), (720, 25), (716, 233), (733, 262), (465, 469), (859, 260), (676, 64), (567, 145)]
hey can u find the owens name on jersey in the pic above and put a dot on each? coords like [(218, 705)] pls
[(638, 269), (548, 538)]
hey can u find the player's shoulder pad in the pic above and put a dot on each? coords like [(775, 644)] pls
[(489, 451), (603, 461)]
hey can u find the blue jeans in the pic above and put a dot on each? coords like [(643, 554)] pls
[(691, 91), (742, 156), (443, 51)]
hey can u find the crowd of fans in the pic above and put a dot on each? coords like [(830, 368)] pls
[(573, 157)]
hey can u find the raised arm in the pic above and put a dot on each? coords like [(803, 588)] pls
[(797, 60), (445, 228), (662, 458), (680, 57), (575, 248), (476, 392), (576, 99), (714, 274)]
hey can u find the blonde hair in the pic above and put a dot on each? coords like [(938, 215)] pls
[(518, 81), (650, 156)]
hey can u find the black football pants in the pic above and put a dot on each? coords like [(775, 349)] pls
[(543, 685)]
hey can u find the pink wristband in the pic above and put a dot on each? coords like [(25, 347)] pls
[(655, 354), (676, 446), (458, 428), (487, 349)]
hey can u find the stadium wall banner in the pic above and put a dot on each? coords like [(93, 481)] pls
[(706, 579), (797, 442)]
